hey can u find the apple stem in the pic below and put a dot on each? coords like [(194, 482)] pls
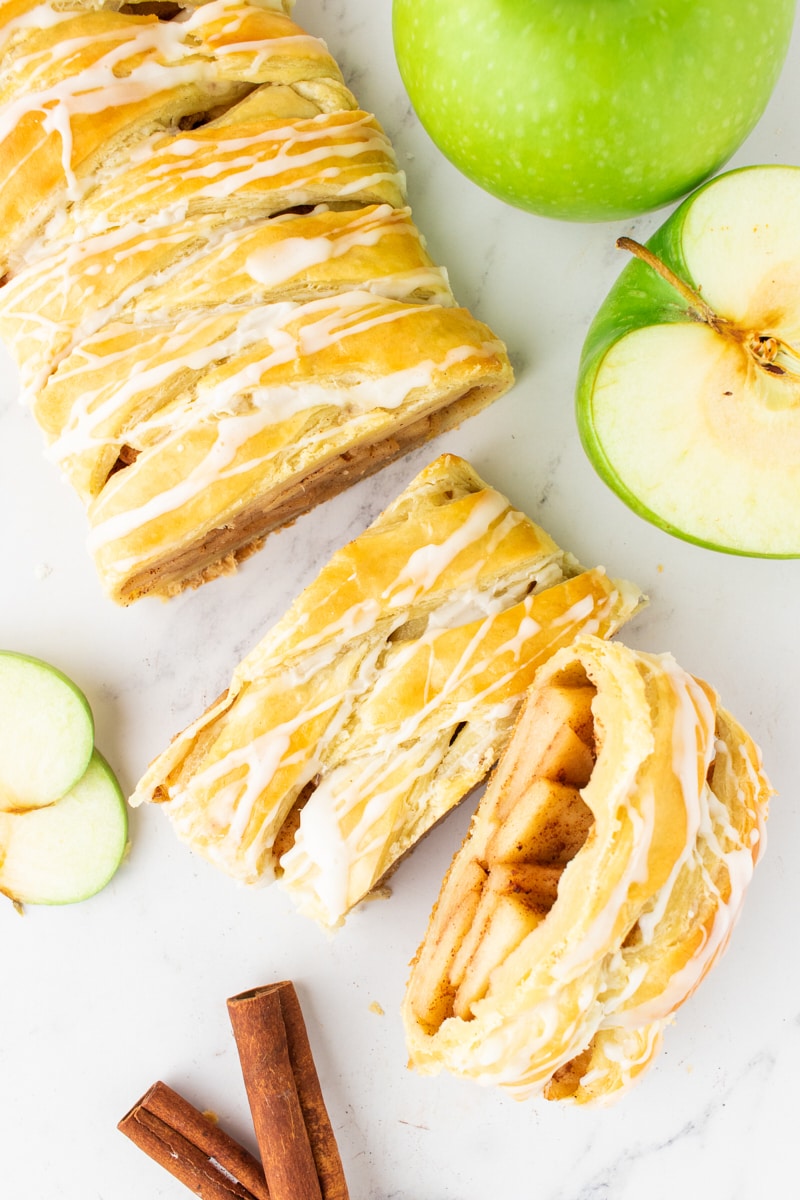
[(771, 353), (692, 297)]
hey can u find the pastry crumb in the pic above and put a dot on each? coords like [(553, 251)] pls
[(376, 1008)]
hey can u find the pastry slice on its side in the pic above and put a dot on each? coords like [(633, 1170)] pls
[(383, 696), (601, 878)]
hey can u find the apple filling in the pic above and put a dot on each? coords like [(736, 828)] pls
[(531, 823)]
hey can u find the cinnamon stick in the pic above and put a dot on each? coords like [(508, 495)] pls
[(193, 1148), (293, 1130)]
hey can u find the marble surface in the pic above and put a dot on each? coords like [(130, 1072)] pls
[(98, 1000)]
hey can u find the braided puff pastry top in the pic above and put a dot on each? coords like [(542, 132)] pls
[(221, 308), (601, 878), (383, 696)]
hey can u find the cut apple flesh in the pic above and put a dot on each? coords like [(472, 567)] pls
[(46, 733), (529, 826), (699, 436), (69, 850), (697, 425), (741, 243)]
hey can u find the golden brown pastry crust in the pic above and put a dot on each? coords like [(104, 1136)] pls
[(602, 875), (383, 696), (221, 308)]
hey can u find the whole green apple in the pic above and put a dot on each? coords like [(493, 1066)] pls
[(590, 109), (688, 396)]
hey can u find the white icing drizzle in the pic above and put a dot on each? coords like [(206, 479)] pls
[(186, 348), (138, 60), (38, 16), (290, 164), (60, 302), (427, 563), (216, 399), (280, 261), (255, 763)]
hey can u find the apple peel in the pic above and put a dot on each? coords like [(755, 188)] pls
[(590, 112)]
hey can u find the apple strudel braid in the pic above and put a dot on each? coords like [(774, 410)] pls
[(221, 308), (383, 696), (603, 872)]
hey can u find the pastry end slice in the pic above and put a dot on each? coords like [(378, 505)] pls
[(600, 880)]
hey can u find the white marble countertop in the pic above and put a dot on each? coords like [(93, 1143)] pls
[(98, 1000)]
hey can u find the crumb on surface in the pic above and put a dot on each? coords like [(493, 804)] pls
[(376, 1008)]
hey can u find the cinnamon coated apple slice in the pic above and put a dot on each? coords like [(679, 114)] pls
[(532, 821)]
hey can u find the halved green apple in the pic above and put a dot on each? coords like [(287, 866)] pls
[(69, 850), (46, 733), (688, 396)]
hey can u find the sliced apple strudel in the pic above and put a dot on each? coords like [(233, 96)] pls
[(383, 696), (603, 872), (222, 310)]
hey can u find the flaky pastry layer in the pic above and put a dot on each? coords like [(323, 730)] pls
[(602, 875), (383, 696)]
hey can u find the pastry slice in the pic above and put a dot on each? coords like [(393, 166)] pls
[(600, 880), (383, 696), (221, 308)]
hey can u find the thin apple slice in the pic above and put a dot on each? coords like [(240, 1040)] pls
[(46, 733), (517, 899), (433, 989), (69, 850), (689, 391)]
